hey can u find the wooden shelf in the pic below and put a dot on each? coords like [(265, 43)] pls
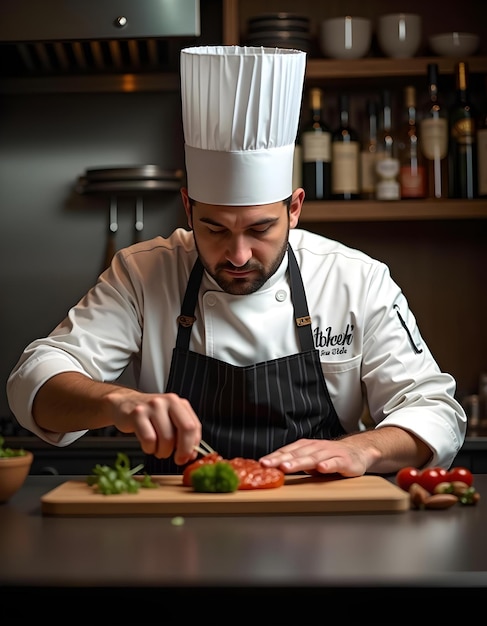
[(370, 210), (316, 70), (386, 68)]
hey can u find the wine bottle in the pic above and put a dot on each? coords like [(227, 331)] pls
[(463, 135), (387, 185), (482, 157), (345, 156), (434, 138), (297, 166), (316, 151), (412, 172), (368, 155)]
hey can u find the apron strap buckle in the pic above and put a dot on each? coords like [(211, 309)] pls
[(186, 320), (303, 321)]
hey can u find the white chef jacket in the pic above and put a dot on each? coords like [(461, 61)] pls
[(130, 315)]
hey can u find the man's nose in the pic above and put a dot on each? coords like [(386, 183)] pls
[(238, 251)]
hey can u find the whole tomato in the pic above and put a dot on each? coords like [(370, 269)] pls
[(406, 476), (460, 473), (432, 476)]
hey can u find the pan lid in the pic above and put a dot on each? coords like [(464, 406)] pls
[(137, 178), (135, 172)]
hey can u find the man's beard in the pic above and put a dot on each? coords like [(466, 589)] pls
[(243, 286)]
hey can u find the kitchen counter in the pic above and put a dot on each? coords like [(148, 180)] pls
[(287, 560)]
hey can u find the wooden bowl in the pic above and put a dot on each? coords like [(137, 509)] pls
[(13, 472)]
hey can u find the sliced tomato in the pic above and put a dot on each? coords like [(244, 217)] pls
[(204, 460), (253, 475), (461, 474), (243, 466), (262, 478)]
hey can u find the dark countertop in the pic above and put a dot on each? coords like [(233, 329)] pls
[(310, 555)]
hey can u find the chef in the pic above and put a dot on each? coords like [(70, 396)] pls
[(265, 340)]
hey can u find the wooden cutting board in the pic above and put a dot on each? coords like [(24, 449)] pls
[(300, 494)]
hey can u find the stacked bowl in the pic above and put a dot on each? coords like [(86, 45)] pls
[(281, 30)]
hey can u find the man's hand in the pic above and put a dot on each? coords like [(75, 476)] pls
[(162, 422), (381, 450), (320, 455)]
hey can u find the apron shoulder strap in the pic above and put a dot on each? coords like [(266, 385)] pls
[(301, 313), (186, 319)]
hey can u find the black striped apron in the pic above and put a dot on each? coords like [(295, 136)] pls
[(253, 410)]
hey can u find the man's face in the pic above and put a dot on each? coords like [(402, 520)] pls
[(240, 247)]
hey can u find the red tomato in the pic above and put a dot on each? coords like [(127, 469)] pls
[(253, 476), (406, 476), (460, 473), (243, 466), (432, 476), (204, 460), (262, 478)]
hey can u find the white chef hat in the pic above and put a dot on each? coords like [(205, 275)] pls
[(241, 108)]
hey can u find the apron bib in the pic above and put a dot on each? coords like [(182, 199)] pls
[(253, 410)]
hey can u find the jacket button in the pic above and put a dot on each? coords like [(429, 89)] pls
[(281, 295)]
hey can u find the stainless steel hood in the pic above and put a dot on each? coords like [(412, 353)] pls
[(61, 20), (53, 37)]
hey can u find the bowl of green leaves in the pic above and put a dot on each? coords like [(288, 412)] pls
[(15, 464)]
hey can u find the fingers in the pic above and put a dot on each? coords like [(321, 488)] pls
[(164, 424), (297, 456), (316, 455)]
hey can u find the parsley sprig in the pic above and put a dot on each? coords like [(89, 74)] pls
[(6, 452), (119, 478)]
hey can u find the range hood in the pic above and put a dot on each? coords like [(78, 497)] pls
[(53, 37)]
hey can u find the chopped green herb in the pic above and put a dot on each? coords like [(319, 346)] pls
[(118, 479), (9, 452)]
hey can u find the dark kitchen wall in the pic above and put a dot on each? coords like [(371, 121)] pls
[(52, 239)]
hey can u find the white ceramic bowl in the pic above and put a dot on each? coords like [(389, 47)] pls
[(345, 37), (454, 44), (399, 34)]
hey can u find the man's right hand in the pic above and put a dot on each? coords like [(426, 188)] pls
[(163, 423)]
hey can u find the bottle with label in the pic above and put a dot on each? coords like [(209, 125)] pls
[(412, 172), (463, 137), (345, 156), (482, 157), (368, 155), (297, 166), (316, 151), (387, 185), (434, 138)]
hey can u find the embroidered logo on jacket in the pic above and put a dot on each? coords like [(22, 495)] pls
[(330, 343)]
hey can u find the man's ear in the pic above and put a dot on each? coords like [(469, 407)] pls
[(297, 200), (187, 206)]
